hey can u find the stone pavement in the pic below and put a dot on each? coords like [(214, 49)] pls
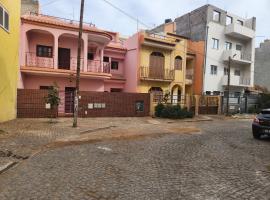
[(222, 162)]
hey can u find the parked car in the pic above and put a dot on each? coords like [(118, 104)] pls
[(261, 124)]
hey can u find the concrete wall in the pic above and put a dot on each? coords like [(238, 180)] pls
[(28, 6), (9, 61), (262, 65)]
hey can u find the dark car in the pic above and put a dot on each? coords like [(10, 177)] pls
[(261, 124)]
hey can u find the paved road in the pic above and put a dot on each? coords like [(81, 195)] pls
[(223, 162)]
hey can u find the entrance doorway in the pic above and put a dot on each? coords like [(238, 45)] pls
[(63, 58), (69, 99)]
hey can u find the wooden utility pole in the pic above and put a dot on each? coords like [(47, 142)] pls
[(228, 86), (76, 101)]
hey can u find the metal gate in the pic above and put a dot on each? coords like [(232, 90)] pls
[(208, 105)]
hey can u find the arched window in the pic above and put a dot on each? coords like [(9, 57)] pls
[(156, 65), (178, 63)]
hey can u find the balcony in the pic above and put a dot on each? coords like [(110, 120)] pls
[(189, 76), (45, 65), (156, 75), (237, 57), (159, 41), (240, 32), (236, 81)]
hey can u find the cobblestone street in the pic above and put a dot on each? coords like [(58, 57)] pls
[(222, 161)]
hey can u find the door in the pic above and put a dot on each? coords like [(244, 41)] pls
[(156, 65), (69, 99), (63, 58)]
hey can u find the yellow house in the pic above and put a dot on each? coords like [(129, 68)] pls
[(162, 64), (9, 57)]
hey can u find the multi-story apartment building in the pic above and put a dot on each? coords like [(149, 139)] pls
[(29, 6), (9, 57), (48, 55), (262, 65), (225, 35), (158, 63)]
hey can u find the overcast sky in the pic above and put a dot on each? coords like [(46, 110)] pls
[(153, 12)]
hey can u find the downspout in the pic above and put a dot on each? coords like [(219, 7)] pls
[(205, 53)]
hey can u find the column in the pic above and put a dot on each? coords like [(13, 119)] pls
[(101, 58), (85, 53), (55, 52), (23, 52)]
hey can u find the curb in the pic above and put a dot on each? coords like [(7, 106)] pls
[(6, 166)]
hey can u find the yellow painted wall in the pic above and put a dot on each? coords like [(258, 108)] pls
[(9, 61), (180, 50)]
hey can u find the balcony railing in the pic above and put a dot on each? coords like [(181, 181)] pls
[(73, 63), (95, 66), (189, 74), (158, 74), (240, 56), (236, 81), (34, 61)]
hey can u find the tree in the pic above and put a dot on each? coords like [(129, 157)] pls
[(53, 99)]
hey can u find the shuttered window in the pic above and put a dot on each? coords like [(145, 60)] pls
[(156, 65)]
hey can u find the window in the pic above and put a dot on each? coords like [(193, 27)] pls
[(106, 59), (4, 18), (239, 47), (240, 22), (178, 63), (228, 45), (215, 44), (226, 71), (229, 20), (42, 87), (216, 16), (114, 65), (116, 90), (213, 70), (90, 56), (44, 51), (237, 72)]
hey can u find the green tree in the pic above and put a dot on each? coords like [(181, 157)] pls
[(53, 99)]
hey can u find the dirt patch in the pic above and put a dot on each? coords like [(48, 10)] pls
[(190, 130)]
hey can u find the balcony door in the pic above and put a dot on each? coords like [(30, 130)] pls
[(156, 65), (63, 58)]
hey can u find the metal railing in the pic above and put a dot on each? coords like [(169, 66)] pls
[(95, 66), (244, 81), (165, 74), (245, 56), (32, 60)]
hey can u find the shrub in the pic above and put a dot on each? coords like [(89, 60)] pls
[(172, 112)]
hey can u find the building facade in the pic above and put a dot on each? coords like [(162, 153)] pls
[(262, 65), (29, 6), (224, 35), (9, 57), (158, 63), (48, 55)]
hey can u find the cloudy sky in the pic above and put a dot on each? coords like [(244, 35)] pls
[(153, 12)]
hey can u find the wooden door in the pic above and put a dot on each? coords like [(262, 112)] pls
[(156, 66), (64, 58), (69, 99)]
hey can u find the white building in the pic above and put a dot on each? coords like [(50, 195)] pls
[(225, 35)]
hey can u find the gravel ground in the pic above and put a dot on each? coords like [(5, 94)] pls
[(223, 161)]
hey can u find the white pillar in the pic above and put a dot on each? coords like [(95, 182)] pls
[(55, 52)]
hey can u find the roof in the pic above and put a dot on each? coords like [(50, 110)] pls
[(62, 22)]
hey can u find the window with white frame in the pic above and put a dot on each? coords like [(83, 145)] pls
[(213, 70), (237, 72), (226, 71), (216, 16), (4, 18), (215, 43), (228, 45), (229, 20)]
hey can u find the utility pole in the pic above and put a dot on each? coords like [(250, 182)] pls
[(228, 86), (76, 101)]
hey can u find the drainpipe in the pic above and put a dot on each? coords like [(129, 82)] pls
[(205, 53)]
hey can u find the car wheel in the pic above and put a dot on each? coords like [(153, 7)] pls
[(256, 135)]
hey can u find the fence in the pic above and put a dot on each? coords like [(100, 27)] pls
[(32, 104)]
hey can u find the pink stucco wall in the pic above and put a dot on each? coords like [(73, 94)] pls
[(131, 63)]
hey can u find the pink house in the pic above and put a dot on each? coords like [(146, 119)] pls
[(48, 54)]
